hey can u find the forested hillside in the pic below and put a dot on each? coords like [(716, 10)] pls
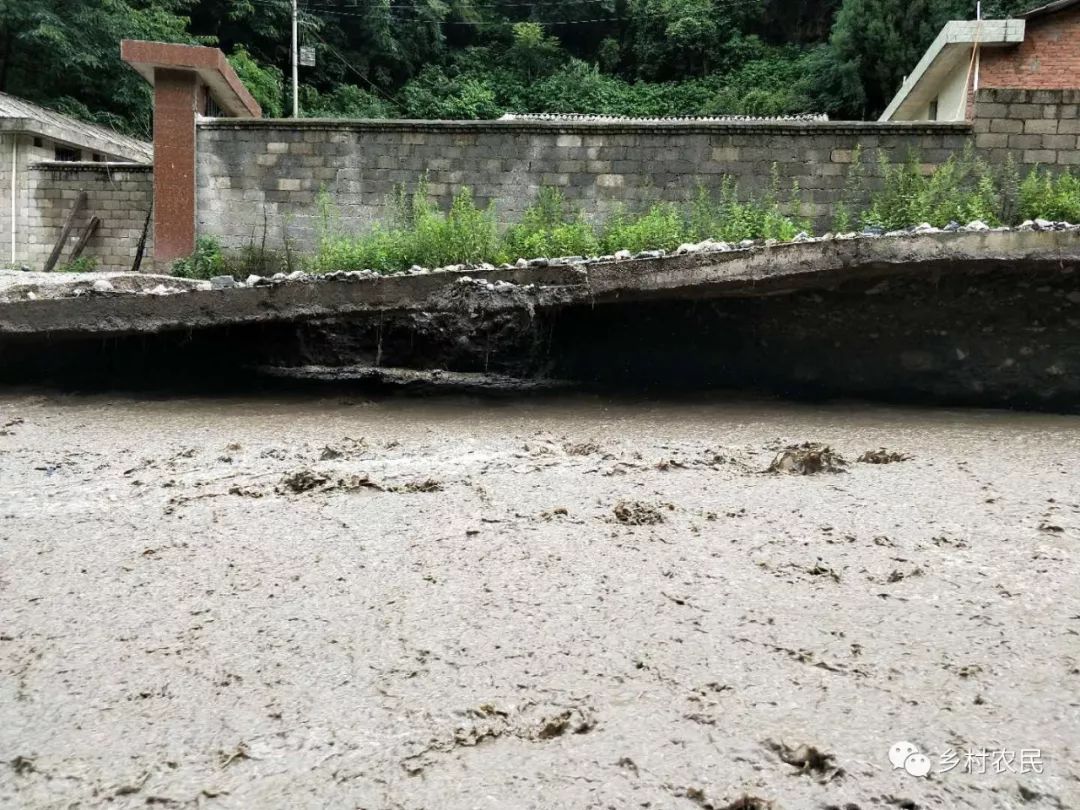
[(481, 58)]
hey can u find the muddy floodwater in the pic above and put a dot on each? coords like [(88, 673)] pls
[(557, 602)]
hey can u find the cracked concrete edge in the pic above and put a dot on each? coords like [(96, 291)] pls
[(763, 270)]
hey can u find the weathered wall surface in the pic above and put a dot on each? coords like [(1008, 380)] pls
[(18, 152), (1035, 126), (259, 177), (118, 194)]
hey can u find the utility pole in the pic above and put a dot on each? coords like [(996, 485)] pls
[(295, 66)]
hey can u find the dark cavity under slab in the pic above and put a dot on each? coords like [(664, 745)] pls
[(992, 337)]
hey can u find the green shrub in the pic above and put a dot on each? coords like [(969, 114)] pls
[(549, 228), (733, 219), (83, 264), (965, 188), (660, 227), (418, 234), (206, 262), (1045, 196), (960, 190)]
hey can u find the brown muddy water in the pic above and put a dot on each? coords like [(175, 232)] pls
[(536, 603)]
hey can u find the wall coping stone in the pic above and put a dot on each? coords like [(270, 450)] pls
[(593, 127)]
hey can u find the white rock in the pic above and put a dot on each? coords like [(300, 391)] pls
[(977, 225), (102, 285), (622, 255)]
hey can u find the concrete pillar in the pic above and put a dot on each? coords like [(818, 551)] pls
[(176, 94), (186, 79)]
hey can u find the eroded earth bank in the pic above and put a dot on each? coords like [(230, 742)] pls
[(559, 602)]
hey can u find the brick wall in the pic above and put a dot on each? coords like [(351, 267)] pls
[(258, 179), (1048, 58), (119, 195), (1035, 126)]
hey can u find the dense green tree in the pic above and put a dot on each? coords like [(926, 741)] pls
[(882, 40), (481, 58), (66, 54), (672, 38), (344, 101), (264, 82)]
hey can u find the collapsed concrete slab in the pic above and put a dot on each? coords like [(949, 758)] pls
[(978, 318), (117, 304)]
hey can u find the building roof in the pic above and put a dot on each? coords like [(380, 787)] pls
[(952, 46), (1049, 8), (20, 115)]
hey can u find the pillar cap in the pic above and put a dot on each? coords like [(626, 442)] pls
[(210, 64)]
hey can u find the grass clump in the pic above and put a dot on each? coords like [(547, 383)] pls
[(1046, 196), (661, 227), (83, 264), (731, 218), (205, 262), (550, 228), (962, 189), (419, 233)]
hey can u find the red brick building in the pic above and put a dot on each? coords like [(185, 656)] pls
[(1038, 50), (1047, 59)]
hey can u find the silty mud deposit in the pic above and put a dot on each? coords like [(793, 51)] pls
[(563, 602)]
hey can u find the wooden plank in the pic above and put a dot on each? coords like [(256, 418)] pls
[(58, 248), (142, 241), (88, 231)]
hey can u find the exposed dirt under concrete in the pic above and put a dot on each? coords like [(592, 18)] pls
[(555, 603)]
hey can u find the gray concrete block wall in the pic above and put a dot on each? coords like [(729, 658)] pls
[(1035, 126), (26, 151), (258, 180), (119, 195)]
